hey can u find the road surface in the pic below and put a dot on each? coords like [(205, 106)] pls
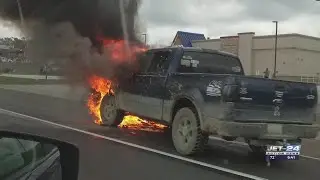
[(105, 159)]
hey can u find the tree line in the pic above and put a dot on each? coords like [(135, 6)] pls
[(14, 42)]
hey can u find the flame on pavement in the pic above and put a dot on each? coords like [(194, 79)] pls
[(102, 86)]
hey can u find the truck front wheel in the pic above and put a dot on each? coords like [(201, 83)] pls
[(187, 136), (110, 114)]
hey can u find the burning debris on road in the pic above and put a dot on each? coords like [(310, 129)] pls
[(95, 40)]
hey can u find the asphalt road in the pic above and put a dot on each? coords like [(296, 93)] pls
[(103, 159)]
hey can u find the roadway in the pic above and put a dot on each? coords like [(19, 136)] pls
[(103, 158)]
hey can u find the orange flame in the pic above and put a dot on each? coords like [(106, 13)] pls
[(120, 51), (102, 86)]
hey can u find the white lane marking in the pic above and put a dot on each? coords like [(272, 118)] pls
[(12, 113), (310, 157), (245, 144)]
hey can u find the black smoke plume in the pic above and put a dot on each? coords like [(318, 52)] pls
[(70, 32)]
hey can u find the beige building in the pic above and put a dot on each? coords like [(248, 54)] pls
[(298, 56)]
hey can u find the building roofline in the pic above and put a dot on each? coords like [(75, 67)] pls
[(246, 33), (264, 36), (287, 35), (190, 33), (206, 40), (174, 39), (186, 37), (224, 37)]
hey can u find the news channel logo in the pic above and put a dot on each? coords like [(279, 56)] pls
[(285, 152)]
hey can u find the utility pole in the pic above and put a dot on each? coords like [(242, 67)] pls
[(20, 13), (23, 25), (275, 50), (145, 38)]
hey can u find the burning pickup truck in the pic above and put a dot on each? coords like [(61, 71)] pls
[(200, 92)]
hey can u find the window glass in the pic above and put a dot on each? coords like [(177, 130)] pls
[(145, 61), (11, 158), (28, 144), (160, 62), (18, 157), (41, 149), (36, 155), (199, 62)]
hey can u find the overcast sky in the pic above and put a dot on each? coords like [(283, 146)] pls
[(215, 18)]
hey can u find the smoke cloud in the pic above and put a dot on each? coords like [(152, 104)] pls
[(70, 32)]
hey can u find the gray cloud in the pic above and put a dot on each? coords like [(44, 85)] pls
[(227, 17), (165, 12), (281, 10), (189, 12), (200, 12)]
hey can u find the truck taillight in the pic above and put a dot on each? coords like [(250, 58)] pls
[(230, 93)]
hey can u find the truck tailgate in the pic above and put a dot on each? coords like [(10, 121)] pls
[(275, 101)]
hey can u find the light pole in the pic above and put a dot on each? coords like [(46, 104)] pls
[(20, 13), (23, 26), (145, 38), (275, 50)]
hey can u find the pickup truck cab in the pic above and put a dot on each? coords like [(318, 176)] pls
[(200, 92)]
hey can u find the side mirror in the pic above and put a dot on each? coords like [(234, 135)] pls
[(24, 156)]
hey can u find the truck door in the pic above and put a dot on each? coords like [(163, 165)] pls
[(131, 90), (154, 84)]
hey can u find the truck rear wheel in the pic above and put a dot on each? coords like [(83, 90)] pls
[(110, 114), (187, 136)]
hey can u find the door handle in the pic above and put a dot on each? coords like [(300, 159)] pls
[(150, 80)]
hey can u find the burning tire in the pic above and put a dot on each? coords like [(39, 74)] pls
[(188, 139), (110, 114)]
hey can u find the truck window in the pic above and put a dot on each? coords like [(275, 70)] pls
[(160, 62), (144, 61), (200, 62)]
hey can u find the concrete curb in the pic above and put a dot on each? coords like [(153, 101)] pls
[(58, 91), (32, 76)]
